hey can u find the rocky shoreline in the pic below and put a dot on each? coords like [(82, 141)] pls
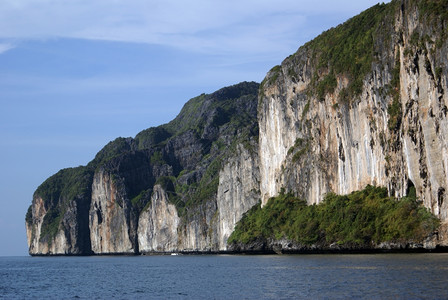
[(305, 251)]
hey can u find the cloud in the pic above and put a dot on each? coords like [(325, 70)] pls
[(199, 25), (4, 47)]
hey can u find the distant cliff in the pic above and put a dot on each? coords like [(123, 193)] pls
[(179, 186), (364, 103)]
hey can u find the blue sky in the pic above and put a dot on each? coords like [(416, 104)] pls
[(76, 74)]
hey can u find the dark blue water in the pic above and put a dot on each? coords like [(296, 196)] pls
[(392, 276)]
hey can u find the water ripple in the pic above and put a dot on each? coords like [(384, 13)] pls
[(391, 276)]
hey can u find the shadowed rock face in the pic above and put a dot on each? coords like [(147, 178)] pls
[(57, 222), (159, 190), (113, 215), (363, 103)]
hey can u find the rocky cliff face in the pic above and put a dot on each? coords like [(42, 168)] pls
[(158, 224), (110, 225), (363, 103), (57, 220), (164, 190), (238, 190), (322, 129), (205, 227)]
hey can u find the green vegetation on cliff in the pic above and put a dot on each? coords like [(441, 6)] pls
[(208, 185), (218, 122), (183, 156), (67, 184), (110, 151), (433, 10), (349, 50), (362, 219), (394, 108), (71, 184), (167, 183)]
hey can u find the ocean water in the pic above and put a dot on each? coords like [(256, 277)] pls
[(379, 276)]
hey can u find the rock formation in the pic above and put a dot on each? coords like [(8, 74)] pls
[(363, 103), (329, 123), (158, 223), (164, 190)]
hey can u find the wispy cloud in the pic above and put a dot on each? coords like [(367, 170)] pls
[(4, 47), (199, 25)]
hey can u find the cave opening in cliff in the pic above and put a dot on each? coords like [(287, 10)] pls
[(410, 190)]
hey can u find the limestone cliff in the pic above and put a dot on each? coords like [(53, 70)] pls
[(363, 103), (109, 218), (238, 191), (335, 121), (158, 223), (207, 226), (57, 221), (164, 190)]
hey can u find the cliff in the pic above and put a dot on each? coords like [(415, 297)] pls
[(164, 190), (363, 104), (57, 221)]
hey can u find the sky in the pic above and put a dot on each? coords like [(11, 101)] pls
[(77, 74)]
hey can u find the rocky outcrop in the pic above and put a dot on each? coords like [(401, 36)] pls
[(363, 103), (163, 190), (158, 224), (316, 137), (57, 221), (109, 221), (34, 231), (208, 226), (285, 246), (118, 188), (238, 190), (197, 231)]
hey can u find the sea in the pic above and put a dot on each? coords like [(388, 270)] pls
[(376, 276)]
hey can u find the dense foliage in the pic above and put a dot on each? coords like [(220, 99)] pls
[(433, 10), (348, 50), (361, 219), (111, 150), (66, 185)]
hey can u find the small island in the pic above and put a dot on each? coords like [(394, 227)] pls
[(341, 148)]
